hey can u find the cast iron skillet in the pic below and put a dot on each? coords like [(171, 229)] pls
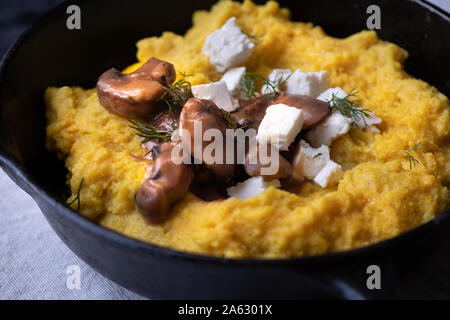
[(49, 54)]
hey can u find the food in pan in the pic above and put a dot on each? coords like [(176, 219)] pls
[(359, 150)]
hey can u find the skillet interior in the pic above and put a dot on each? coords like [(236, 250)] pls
[(50, 54)]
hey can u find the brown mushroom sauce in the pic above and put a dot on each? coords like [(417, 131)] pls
[(138, 96)]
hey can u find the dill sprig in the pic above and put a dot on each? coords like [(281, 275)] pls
[(348, 108), (227, 117), (176, 96), (247, 86), (271, 87), (413, 161), (77, 198), (317, 155), (231, 121), (149, 132)]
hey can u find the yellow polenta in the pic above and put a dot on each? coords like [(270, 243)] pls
[(378, 198)]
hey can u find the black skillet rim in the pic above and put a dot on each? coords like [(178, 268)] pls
[(34, 188)]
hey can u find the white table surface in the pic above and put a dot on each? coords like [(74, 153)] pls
[(34, 261), (444, 4)]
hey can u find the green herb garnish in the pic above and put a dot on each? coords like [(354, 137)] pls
[(348, 108), (176, 96), (149, 132), (227, 117), (412, 161), (271, 87), (247, 86), (317, 155), (77, 197)]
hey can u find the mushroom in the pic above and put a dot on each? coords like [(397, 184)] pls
[(314, 110), (251, 112), (136, 95), (211, 117), (253, 166), (165, 183)]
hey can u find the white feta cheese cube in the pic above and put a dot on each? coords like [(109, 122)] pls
[(280, 126), (310, 84), (327, 95), (233, 78), (251, 187), (329, 175), (228, 46), (218, 93), (276, 75), (326, 132), (308, 161)]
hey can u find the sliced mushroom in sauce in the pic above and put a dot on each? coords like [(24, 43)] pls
[(206, 113), (165, 183), (136, 95), (314, 110), (253, 165)]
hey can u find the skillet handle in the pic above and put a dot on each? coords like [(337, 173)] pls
[(362, 277), (356, 288), (398, 262), (340, 277)]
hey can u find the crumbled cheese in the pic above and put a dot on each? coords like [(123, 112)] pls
[(366, 122), (310, 84), (308, 161), (251, 187), (369, 122), (233, 78), (327, 95), (280, 126), (374, 129), (228, 46), (329, 175), (276, 75), (218, 93), (326, 132)]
